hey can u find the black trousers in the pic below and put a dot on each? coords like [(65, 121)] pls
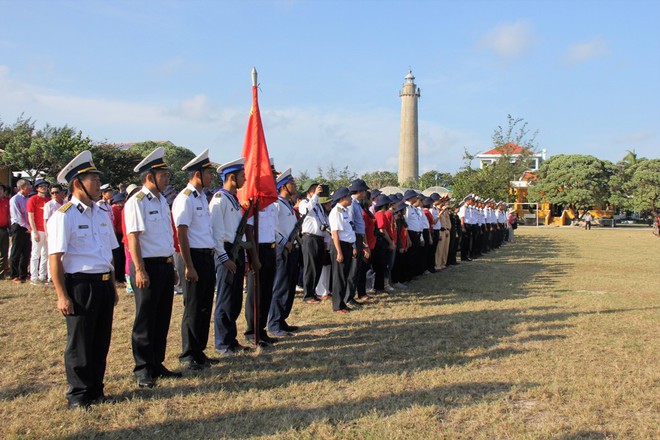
[(266, 277), (453, 245), (415, 257), (357, 265), (284, 288), (466, 242), (313, 248), (379, 260), (228, 302), (197, 307), (428, 252), (119, 258), (88, 337), (340, 273), (4, 250), (21, 245), (153, 310)]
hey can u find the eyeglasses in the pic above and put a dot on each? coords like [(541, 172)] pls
[(54, 192)]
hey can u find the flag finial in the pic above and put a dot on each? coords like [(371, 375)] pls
[(254, 76)]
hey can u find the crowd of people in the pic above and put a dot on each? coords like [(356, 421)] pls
[(343, 247)]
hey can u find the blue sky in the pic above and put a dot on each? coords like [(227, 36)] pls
[(586, 74)]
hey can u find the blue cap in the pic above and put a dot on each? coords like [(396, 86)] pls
[(358, 185), (383, 200), (41, 182), (340, 193), (409, 194)]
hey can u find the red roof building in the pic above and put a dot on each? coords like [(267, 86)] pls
[(513, 151)]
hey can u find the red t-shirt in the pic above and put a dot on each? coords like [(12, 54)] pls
[(384, 222), (4, 213), (369, 229), (35, 205), (117, 218)]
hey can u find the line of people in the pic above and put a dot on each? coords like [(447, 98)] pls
[(343, 245)]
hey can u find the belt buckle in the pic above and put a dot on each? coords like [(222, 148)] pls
[(105, 277), (273, 245), (170, 259)]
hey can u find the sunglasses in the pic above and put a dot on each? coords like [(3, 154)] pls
[(54, 192)]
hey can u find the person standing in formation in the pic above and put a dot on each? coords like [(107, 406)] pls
[(287, 256), (226, 216), (344, 248), (151, 245), (20, 232), (315, 228), (80, 243), (5, 222), (192, 218), (39, 251)]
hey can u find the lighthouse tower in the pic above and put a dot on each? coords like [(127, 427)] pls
[(409, 143)]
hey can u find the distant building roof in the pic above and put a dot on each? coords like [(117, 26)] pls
[(509, 148)]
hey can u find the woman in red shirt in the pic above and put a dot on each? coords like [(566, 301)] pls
[(384, 243)]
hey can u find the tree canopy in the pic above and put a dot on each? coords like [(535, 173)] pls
[(573, 180)]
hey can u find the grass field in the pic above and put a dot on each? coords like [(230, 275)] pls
[(554, 336)]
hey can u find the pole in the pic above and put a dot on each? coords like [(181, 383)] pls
[(256, 276)]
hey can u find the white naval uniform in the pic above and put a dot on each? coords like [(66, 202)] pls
[(85, 237), (340, 220), (226, 214), (191, 209), (150, 215)]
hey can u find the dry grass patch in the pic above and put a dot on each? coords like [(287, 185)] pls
[(554, 336)]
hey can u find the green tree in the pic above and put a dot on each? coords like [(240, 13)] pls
[(381, 179), (435, 178), (117, 165), (175, 156), (40, 152), (572, 180), (334, 177), (645, 185), (621, 188)]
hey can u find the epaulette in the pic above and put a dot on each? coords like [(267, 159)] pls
[(65, 207), (218, 194), (187, 191), (140, 196)]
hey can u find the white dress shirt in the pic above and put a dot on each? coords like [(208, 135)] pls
[(191, 209), (267, 223), (84, 235), (150, 216), (413, 219), (341, 221), (315, 216)]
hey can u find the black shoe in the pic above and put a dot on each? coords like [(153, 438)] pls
[(265, 337), (164, 372), (210, 361), (241, 348), (192, 365), (262, 343), (225, 351), (291, 328), (281, 333), (354, 304), (80, 404), (146, 381)]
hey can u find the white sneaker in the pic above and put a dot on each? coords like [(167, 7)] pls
[(389, 288)]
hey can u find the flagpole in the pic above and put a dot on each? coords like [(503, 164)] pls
[(256, 239)]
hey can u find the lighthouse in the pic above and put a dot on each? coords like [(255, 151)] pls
[(409, 142)]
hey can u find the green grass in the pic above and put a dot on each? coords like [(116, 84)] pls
[(554, 336)]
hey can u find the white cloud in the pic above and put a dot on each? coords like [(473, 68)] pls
[(300, 138), (589, 50), (510, 41)]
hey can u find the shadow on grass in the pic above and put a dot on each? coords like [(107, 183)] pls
[(514, 271), (273, 420)]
